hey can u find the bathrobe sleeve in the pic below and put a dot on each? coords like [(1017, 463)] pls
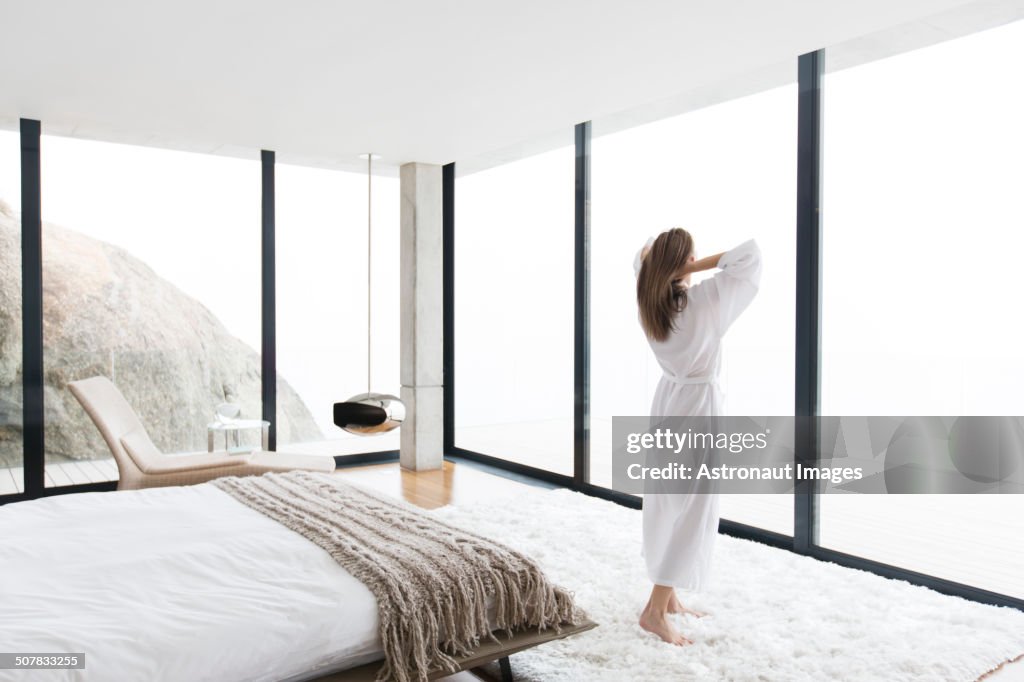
[(735, 284), (638, 260)]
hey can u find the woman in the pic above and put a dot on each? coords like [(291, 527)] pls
[(684, 325)]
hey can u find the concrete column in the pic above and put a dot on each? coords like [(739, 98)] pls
[(422, 318)]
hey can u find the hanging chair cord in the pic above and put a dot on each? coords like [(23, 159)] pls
[(369, 260)]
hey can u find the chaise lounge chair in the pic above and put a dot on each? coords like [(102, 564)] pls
[(141, 465)]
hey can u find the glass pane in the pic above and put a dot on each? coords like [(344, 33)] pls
[(11, 447), (151, 277), (321, 303), (514, 311), (923, 231), (727, 174)]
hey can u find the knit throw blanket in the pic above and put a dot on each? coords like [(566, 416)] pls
[(432, 581)]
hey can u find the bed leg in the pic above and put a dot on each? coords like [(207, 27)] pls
[(506, 669)]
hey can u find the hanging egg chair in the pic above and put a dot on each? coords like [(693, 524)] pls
[(369, 413)]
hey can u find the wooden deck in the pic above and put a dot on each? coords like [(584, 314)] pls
[(60, 474)]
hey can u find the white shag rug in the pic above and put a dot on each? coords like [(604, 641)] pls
[(775, 615)]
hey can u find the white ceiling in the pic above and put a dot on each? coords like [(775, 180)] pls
[(414, 80)]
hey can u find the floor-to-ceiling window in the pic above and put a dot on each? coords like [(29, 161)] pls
[(321, 251), (11, 479), (514, 311), (151, 277), (727, 174), (923, 235)]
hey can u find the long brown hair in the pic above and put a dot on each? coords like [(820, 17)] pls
[(659, 293)]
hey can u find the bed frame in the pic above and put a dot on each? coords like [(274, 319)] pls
[(487, 652)]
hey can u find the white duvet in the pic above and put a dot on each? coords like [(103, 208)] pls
[(175, 584)]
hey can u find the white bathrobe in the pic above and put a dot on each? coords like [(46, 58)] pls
[(680, 529)]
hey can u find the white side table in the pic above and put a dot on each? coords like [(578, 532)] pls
[(230, 430)]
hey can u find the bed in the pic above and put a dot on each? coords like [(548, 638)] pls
[(181, 583)]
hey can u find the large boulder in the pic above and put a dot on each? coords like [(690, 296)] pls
[(106, 312)]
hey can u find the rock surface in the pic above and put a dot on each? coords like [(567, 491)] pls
[(106, 312)]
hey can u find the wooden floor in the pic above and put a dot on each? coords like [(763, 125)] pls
[(454, 484)]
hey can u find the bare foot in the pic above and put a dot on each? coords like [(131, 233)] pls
[(658, 624), (676, 606)]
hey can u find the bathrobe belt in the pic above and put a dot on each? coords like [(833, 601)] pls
[(689, 381)]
